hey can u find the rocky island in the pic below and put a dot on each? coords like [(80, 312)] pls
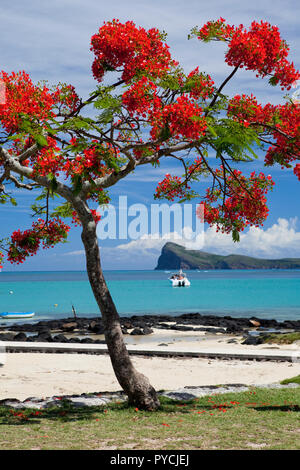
[(174, 256)]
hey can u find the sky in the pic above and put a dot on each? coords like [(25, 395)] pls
[(51, 41)]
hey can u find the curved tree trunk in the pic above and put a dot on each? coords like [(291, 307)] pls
[(140, 392)]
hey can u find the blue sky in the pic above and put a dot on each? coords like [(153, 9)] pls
[(50, 40)]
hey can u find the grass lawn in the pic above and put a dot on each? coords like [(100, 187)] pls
[(295, 380), (257, 419), (282, 338)]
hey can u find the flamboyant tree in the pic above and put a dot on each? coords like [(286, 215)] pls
[(56, 142)]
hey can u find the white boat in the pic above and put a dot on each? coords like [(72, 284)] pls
[(179, 279), (14, 315)]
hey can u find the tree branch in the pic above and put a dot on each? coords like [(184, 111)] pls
[(220, 89), (12, 163)]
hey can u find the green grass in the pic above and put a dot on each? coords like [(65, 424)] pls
[(258, 419), (294, 380), (282, 338)]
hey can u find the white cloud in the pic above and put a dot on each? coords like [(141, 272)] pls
[(280, 240)]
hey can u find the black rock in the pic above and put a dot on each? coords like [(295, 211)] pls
[(233, 329), (87, 340), (60, 339), (74, 340), (20, 337), (30, 339), (253, 340), (147, 331), (7, 336), (137, 331), (181, 328), (44, 336), (163, 326), (70, 326), (96, 327)]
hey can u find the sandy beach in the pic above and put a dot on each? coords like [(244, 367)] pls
[(40, 375)]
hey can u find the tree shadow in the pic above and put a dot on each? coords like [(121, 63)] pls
[(66, 411), (286, 408), (63, 413)]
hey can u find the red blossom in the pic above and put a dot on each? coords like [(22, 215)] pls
[(22, 96), (244, 206), (129, 48), (182, 119), (171, 187), (282, 122), (201, 85), (27, 243), (260, 48)]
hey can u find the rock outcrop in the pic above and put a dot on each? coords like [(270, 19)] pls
[(174, 256)]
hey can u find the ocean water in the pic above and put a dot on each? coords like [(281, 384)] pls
[(238, 293)]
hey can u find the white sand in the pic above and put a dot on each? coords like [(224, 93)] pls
[(42, 375), (26, 375)]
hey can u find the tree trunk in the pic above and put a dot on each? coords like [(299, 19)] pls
[(140, 392)]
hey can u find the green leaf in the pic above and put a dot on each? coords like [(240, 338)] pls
[(107, 102), (212, 131), (251, 150), (65, 210), (273, 81), (106, 116), (40, 140), (13, 201), (165, 133), (235, 235)]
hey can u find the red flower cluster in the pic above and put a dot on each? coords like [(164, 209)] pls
[(260, 49), (171, 187), (215, 30), (141, 98), (27, 243), (286, 148), (134, 49), (22, 96), (245, 204), (66, 98), (48, 159), (296, 171), (245, 109), (184, 118), (282, 122), (91, 162), (201, 85), (195, 167)]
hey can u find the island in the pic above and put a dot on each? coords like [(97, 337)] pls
[(174, 256)]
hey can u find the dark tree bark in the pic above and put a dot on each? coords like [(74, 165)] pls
[(138, 388)]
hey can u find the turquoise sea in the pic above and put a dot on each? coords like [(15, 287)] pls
[(239, 293)]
